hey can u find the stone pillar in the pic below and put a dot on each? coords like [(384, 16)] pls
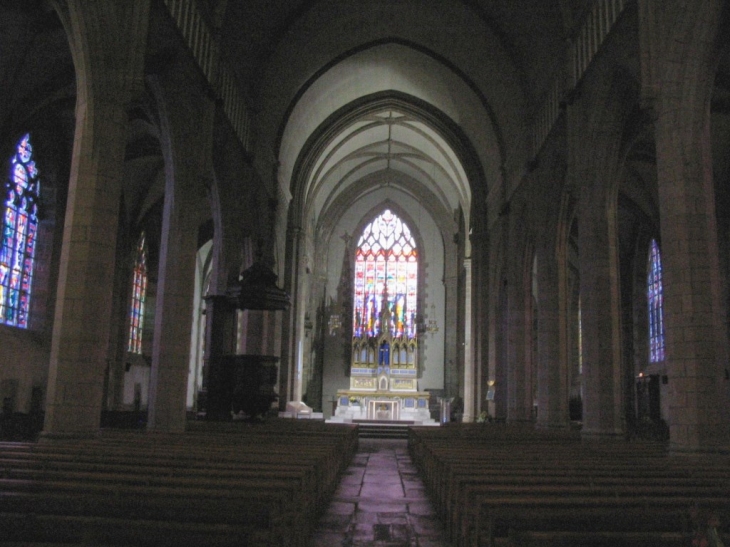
[(452, 321), (518, 345), (107, 41), (498, 368), (548, 265), (552, 366), (289, 353), (186, 116), (695, 331), (599, 294), (299, 353), (173, 313), (452, 334), (317, 334), (218, 342), (480, 314), (596, 125), (600, 312), (468, 348)]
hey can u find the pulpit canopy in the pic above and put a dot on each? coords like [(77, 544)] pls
[(257, 290)]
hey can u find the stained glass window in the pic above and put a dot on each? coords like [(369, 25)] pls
[(386, 275), (20, 228), (656, 304), (139, 293)]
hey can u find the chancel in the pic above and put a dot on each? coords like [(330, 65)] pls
[(384, 368)]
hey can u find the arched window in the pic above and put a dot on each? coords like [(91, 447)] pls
[(139, 294), (386, 274), (656, 304), (20, 227)]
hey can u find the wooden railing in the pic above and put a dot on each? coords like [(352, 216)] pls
[(205, 50), (596, 28), (546, 117)]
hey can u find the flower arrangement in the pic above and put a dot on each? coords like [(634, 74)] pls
[(484, 417)]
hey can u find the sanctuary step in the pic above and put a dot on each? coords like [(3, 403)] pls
[(389, 422), (383, 429)]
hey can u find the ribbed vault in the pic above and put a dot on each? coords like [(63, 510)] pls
[(388, 140)]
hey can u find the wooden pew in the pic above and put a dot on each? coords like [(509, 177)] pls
[(244, 486), (554, 489)]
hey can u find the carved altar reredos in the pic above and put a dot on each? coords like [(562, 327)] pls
[(384, 377)]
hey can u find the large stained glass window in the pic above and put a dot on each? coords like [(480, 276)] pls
[(20, 228), (656, 304), (386, 274), (139, 293)]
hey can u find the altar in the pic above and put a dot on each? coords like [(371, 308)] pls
[(355, 406)]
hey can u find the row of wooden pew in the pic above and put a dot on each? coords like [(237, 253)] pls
[(251, 484), (497, 484)]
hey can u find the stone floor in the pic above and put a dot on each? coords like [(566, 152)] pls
[(380, 501)]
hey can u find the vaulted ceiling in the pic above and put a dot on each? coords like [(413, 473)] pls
[(483, 64), (534, 32)]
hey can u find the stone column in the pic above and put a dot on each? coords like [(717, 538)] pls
[(480, 314), (317, 333), (468, 349), (519, 346), (301, 346), (107, 41), (551, 309), (552, 366), (452, 324), (499, 349), (289, 353), (596, 125), (518, 343), (219, 341), (186, 116), (695, 331), (600, 311), (453, 320)]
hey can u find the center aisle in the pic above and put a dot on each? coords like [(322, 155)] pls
[(381, 501)]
